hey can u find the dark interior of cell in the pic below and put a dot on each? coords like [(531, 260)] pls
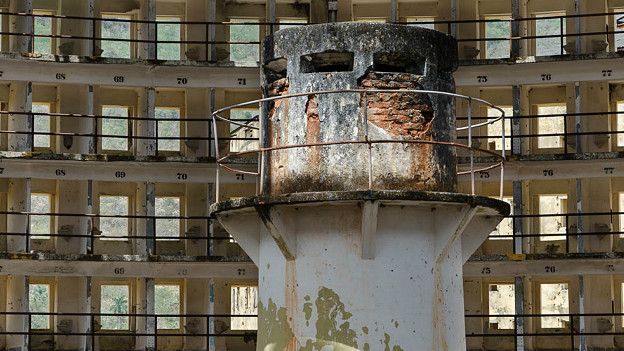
[(329, 61), (396, 63)]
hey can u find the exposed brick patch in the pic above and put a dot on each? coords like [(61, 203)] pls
[(405, 115)]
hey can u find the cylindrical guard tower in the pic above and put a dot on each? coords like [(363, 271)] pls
[(359, 245)]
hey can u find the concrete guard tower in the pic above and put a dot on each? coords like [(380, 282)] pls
[(357, 230)]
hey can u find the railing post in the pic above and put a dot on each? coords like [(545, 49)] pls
[(565, 133), (369, 144), (155, 41), (207, 46), (472, 173), (28, 220), (92, 332), (208, 237), (561, 38), (29, 332), (93, 35), (155, 332)]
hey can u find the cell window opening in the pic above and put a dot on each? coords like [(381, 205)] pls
[(244, 35), (42, 124), (170, 32), (41, 225), (243, 135), (554, 300), (501, 304), (119, 27), (115, 227), (169, 128), (115, 300), (495, 130), (116, 128), (552, 225), (553, 123), (549, 27), (39, 301), (497, 34), (168, 228), (167, 302), (44, 26), (244, 301)]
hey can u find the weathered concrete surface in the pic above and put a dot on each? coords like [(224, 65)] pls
[(327, 285), (359, 56)]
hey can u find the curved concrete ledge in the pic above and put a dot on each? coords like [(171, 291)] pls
[(502, 208)]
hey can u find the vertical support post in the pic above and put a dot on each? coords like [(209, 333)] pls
[(516, 122), (212, 345), (21, 24), (147, 31), (271, 16), (150, 328), (210, 200), (93, 122), (394, 11), (515, 28), (453, 32), (212, 32), (518, 222), (17, 302), (150, 227), (577, 26), (472, 172), (519, 304)]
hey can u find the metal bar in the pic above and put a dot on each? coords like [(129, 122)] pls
[(370, 146), (472, 173), (561, 40), (93, 41)]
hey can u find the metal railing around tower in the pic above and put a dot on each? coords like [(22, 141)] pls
[(228, 161)]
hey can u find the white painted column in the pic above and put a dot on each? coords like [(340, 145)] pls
[(17, 301), (73, 296), (75, 27), (18, 197), (20, 100), (197, 202), (212, 346), (197, 302), (20, 24), (73, 195), (147, 31), (147, 147), (196, 11), (200, 109), (146, 128), (145, 305)]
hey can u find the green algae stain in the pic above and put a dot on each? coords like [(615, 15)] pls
[(386, 343), (366, 347), (275, 330), (330, 310), (307, 311), (332, 324), (365, 330)]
